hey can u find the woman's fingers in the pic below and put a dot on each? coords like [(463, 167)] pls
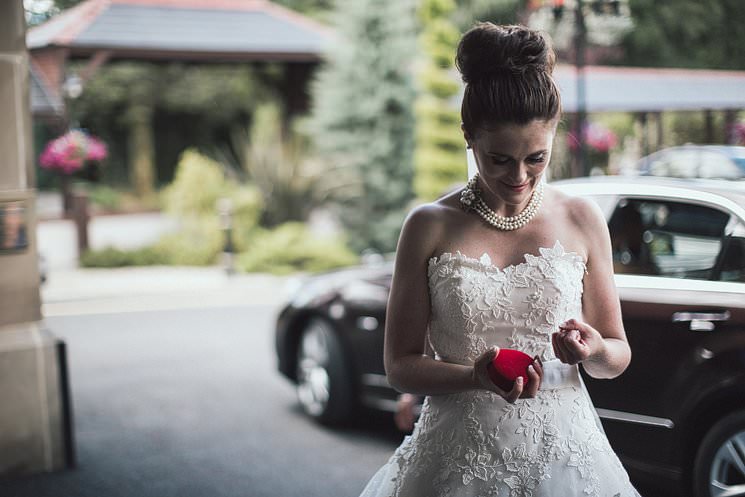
[(569, 347), (559, 348), (517, 390), (534, 380), (538, 365), (405, 417)]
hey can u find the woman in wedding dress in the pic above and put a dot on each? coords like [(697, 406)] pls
[(508, 262)]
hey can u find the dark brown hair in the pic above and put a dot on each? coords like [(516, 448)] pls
[(508, 75)]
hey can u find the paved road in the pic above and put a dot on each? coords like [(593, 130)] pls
[(187, 403)]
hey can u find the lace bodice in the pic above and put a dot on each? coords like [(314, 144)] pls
[(475, 304)]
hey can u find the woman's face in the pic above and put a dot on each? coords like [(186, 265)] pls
[(511, 159)]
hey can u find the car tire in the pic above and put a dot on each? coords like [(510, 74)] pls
[(720, 461), (324, 381)]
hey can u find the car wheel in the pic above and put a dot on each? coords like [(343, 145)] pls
[(324, 388), (720, 462)]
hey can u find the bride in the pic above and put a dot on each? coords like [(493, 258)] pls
[(508, 262)]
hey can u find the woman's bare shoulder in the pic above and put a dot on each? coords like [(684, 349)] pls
[(434, 214), (428, 223), (582, 213), (584, 222)]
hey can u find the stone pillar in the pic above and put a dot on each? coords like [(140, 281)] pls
[(35, 432)]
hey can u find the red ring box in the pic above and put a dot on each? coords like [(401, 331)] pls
[(507, 366)]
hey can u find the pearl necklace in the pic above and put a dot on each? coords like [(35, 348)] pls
[(471, 199)]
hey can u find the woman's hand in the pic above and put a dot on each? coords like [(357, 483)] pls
[(405, 416), (481, 378), (577, 342)]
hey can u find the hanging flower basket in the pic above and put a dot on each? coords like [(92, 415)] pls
[(74, 154), (70, 152)]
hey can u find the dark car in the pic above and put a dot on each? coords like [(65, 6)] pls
[(695, 161), (676, 417)]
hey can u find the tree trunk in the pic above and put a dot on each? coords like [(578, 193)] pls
[(141, 151)]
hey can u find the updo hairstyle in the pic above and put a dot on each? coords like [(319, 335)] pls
[(507, 71)]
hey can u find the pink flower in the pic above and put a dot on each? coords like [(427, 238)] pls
[(97, 150), (69, 152)]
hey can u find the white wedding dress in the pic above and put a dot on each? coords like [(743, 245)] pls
[(475, 444)]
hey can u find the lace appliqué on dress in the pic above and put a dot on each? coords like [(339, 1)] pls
[(530, 298)]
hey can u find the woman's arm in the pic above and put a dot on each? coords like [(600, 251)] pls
[(599, 341), (408, 368)]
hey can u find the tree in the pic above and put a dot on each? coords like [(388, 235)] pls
[(363, 118), (686, 33), (319, 9), (439, 159), (38, 11), (275, 159), (469, 12), (123, 99)]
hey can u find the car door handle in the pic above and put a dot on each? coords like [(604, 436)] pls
[(701, 321)]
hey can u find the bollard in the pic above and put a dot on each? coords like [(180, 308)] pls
[(225, 209)]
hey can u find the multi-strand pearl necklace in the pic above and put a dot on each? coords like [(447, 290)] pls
[(470, 197)]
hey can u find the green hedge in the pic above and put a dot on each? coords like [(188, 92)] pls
[(113, 257)]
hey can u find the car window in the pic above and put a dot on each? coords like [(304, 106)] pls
[(672, 239), (732, 263)]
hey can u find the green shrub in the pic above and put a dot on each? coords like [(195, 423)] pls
[(197, 243), (246, 204), (113, 257), (291, 247), (197, 185)]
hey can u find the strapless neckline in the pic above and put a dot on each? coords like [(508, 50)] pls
[(485, 260)]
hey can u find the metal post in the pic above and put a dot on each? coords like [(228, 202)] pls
[(580, 43), (660, 138), (643, 121), (709, 125)]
